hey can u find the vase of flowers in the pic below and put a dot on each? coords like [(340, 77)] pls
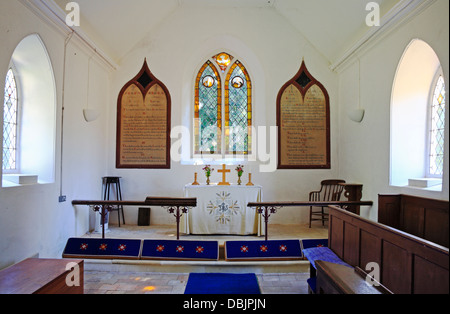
[(207, 169), (240, 171)]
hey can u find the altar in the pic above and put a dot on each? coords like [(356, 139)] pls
[(222, 209)]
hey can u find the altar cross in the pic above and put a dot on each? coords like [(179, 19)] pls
[(224, 172)]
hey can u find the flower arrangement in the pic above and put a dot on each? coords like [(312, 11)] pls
[(208, 170), (240, 170)]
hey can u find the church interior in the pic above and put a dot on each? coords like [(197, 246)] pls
[(302, 92)]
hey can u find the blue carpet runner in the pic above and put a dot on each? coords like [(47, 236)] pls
[(180, 250), (216, 283), (102, 248), (272, 250)]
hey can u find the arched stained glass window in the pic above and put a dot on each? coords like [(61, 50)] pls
[(238, 111), (10, 110), (436, 148), (208, 110), (223, 80)]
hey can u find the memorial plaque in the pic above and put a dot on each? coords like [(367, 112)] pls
[(303, 120), (143, 123)]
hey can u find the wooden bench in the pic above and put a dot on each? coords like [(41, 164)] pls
[(339, 279), (40, 276), (407, 263)]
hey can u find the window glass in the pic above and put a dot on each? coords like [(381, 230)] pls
[(223, 80), (10, 109), (437, 129)]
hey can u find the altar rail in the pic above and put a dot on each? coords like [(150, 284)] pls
[(175, 206), (407, 264), (266, 209)]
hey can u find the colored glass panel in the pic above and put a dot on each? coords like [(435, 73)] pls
[(235, 92), (437, 129), (223, 60), (10, 109), (208, 113), (238, 110)]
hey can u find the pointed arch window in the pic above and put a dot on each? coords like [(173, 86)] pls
[(223, 107), (10, 123)]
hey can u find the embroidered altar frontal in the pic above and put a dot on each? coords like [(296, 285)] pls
[(272, 250), (223, 210), (102, 248), (180, 250)]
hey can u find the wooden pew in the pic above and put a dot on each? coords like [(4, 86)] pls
[(338, 279), (41, 276), (422, 217), (407, 263)]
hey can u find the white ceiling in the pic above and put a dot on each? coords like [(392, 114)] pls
[(329, 25)]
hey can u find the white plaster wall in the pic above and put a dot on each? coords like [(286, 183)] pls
[(364, 149), (32, 221), (272, 52)]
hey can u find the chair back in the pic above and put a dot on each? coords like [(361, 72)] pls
[(330, 190)]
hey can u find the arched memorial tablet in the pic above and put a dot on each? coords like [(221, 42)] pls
[(303, 120), (143, 123)]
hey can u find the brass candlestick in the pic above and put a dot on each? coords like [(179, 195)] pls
[(195, 180), (250, 180)]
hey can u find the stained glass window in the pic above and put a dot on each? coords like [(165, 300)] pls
[(10, 109), (223, 60), (223, 80), (208, 110), (437, 129), (237, 109)]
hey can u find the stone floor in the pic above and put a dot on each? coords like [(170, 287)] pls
[(100, 282), (130, 279)]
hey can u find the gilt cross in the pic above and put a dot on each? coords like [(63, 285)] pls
[(224, 172)]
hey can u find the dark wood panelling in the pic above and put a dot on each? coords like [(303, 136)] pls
[(429, 276), (396, 271), (406, 261), (436, 226), (412, 219), (370, 246), (336, 236), (351, 247), (389, 210), (422, 217)]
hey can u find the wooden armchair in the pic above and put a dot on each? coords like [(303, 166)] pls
[(330, 190)]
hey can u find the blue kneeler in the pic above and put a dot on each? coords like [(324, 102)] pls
[(95, 248)]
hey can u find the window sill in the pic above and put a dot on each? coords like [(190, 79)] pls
[(424, 183), (10, 180)]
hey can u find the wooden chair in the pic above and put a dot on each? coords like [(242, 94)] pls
[(330, 190)]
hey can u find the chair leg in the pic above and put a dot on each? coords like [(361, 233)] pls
[(310, 217), (323, 218)]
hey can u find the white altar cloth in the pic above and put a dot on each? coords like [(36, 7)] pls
[(223, 210)]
